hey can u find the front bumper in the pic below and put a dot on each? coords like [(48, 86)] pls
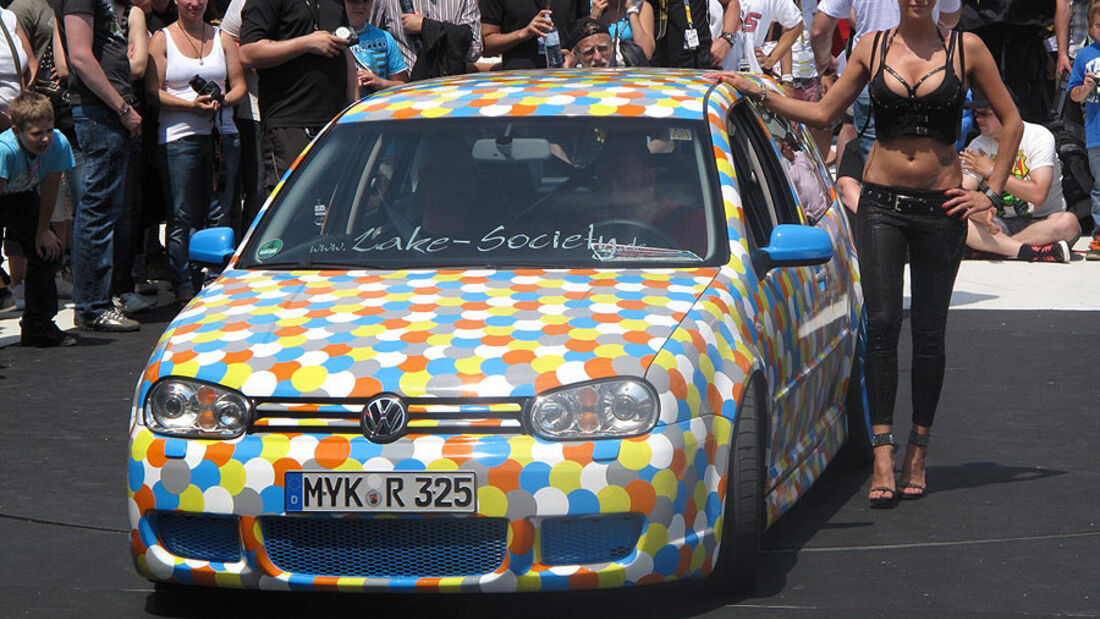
[(540, 506)]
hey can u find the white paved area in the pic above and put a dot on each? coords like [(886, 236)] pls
[(984, 285)]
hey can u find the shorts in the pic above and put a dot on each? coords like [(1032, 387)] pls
[(851, 161), (806, 89), (1015, 225)]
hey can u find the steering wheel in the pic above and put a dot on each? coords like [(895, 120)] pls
[(649, 230)]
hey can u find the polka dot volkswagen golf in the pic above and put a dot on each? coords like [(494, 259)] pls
[(506, 333)]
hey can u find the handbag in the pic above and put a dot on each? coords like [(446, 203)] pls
[(43, 84)]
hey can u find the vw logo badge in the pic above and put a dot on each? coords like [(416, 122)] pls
[(384, 418)]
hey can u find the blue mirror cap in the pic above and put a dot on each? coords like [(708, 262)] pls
[(796, 245), (211, 246)]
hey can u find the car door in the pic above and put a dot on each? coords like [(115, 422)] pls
[(791, 300)]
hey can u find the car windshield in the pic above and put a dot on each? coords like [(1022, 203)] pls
[(498, 193)]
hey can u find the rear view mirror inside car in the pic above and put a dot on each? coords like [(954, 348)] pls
[(506, 149)]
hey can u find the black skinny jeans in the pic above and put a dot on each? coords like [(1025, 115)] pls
[(885, 233)]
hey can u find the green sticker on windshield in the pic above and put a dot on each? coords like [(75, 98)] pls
[(269, 249)]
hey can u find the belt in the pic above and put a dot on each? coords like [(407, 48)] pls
[(890, 199)]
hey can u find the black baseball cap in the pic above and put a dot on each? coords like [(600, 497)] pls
[(978, 100), (588, 27)]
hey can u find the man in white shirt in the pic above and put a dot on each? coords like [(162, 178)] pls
[(757, 17), (1032, 222)]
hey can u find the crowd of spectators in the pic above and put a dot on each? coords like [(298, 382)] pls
[(186, 113)]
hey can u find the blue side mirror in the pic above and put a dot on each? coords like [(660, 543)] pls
[(796, 246), (212, 247)]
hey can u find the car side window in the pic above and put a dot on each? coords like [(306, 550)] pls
[(762, 181), (799, 166)]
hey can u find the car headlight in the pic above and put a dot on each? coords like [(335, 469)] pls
[(600, 409), (189, 408)]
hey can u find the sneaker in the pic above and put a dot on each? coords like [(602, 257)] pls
[(184, 293), (110, 320), (7, 301), (1055, 252), (1094, 249), (65, 283), (146, 288), (48, 336), (130, 303)]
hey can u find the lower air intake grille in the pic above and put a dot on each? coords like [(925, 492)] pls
[(589, 539), (386, 547), (205, 537)]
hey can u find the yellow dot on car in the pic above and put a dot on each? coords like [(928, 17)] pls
[(491, 501), (309, 378), (635, 455)]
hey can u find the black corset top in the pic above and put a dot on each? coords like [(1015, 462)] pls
[(936, 114)]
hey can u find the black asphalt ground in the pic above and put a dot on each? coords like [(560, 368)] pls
[(1011, 526)]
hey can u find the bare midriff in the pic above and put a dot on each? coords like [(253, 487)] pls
[(913, 162)]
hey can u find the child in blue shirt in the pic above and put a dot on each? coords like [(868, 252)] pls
[(378, 59), (1083, 89), (32, 157)]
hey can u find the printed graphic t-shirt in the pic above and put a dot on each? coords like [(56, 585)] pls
[(378, 51), (1036, 151), (757, 17), (24, 172)]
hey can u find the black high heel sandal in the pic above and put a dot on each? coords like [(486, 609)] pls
[(883, 502), (920, 440)]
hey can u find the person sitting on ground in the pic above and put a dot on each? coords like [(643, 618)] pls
[(33, 156), (378, 61), (594, 48), (1032, 223)]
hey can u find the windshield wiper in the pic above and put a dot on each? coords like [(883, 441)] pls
[(312, 266)]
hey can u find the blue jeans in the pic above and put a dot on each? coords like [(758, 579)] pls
[(1094, 167), (190, 168), (862, 115), (104, 142)]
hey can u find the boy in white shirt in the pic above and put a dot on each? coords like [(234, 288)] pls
[(1033, 224)]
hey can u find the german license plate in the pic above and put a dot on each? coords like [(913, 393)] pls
[(436, 492)]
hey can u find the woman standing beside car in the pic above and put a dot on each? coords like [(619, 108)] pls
[(912, 205), (199, 145)]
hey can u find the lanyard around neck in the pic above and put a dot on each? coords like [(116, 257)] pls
[(314, 13)]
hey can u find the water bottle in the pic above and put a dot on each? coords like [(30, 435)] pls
[(552, 45), (407, 6)]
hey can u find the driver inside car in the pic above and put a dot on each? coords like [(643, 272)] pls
[(631, 205)]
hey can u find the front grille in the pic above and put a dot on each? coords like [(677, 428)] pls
[(386, 547), (589, 539), (206, 537), (425, 415)]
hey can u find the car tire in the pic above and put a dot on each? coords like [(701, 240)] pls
[(743, 528), (857, 451)]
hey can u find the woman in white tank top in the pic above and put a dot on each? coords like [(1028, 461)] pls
[(199, 146)]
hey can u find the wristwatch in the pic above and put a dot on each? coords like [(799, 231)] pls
[(728, 36), (123, 109)]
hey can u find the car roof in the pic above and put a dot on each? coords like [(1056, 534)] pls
[(648, 92)]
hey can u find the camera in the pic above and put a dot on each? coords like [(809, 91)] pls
[(349, 35), (206, 87)]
